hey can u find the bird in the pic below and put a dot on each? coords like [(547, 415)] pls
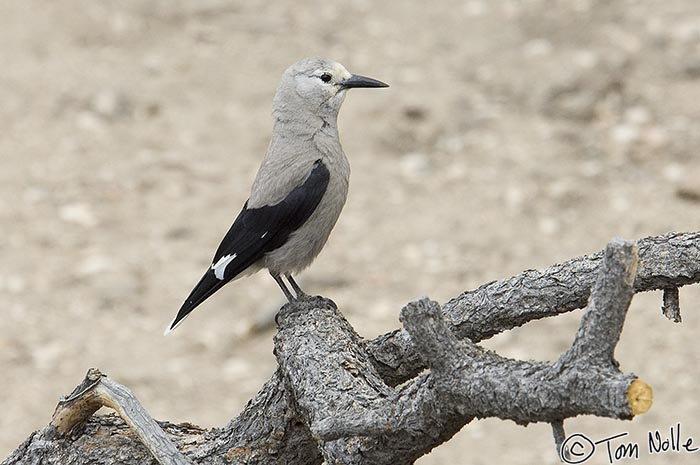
[(299, 190)]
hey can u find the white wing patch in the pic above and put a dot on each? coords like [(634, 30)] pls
[(264, 234), (220, 266)]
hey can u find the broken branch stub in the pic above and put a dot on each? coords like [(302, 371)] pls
[(97, 390)]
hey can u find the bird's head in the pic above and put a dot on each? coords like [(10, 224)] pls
[(317, 86)]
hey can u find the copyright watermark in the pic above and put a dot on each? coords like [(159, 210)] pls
[(578, 448)]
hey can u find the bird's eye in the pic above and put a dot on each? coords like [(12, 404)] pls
[(326, 77)]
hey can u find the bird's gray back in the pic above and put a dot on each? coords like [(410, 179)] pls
[(290, 157), (287, 163)]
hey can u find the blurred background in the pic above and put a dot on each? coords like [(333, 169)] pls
[(515, 134)]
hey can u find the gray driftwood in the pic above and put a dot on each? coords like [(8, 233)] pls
[(340, 399)]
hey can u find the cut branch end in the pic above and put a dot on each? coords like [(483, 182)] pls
[(640, 397)]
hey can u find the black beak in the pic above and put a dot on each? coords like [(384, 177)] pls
[(361, 81)]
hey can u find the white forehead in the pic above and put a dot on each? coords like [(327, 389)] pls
[(317, 66), (339, 71)]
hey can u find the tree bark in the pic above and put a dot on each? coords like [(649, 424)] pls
[(334, 396)]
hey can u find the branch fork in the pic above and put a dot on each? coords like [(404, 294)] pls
[(316, 347)]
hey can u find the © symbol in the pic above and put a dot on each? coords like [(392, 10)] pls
[(577, 448)]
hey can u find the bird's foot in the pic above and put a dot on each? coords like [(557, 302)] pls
[(288, 309), (304, 303), (322, 302)]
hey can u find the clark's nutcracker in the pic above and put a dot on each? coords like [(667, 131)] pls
[(299, 190)]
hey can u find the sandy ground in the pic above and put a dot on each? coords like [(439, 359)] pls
[(514, 135)]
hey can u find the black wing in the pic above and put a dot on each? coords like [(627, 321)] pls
[(254, 233)]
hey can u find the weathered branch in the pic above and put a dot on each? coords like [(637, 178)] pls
[(559, 437), (602, 323), (332, 398), (671, 307), (102, 439), (335, 386), (97, 391), (666, 261), (268, 430), (329, 375), (480, 383)]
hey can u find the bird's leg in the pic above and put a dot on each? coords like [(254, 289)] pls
[(300, 294), (283, 286)]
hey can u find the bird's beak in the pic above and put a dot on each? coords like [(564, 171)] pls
[(361, 81)]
